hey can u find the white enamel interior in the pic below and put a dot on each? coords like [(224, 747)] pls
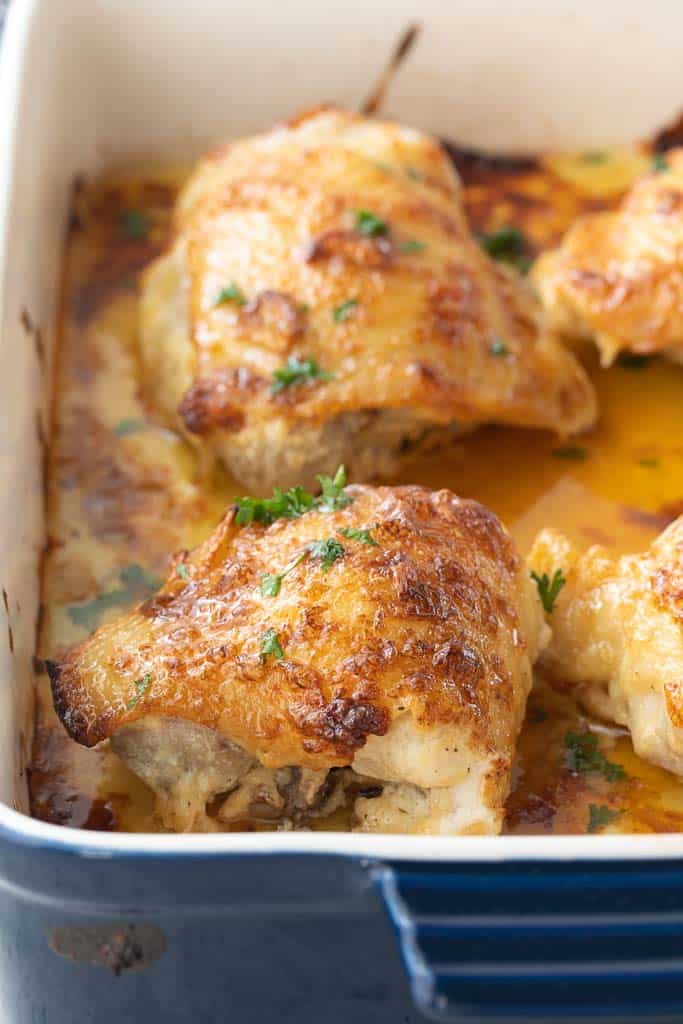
[(84, 83)]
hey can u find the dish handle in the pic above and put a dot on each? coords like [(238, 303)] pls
[(522, 941)]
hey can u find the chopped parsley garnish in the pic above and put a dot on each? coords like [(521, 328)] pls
[(584, 755), (141, 688), (271, 582), (649, 463), (499, 348), (571, 451), (344, 310), (297, 371), (288, 504), (271, 645), (231, 293), (370, 224), (412, 245), (549, 589), (327, 551), (634, 361), (333, 496), (660, 163), (507, 245), (594, 156), (130, 425), (135, 224), (364, 536), (136, 584), (294, 502), (413, 173), (181, 569), (599, 816)]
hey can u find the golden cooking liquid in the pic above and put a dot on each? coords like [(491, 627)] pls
[(124, 492)]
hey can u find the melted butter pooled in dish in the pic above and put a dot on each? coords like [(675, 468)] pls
[(125, 490)]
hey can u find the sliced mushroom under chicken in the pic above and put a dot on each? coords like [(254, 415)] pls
[(325, 301), (372, 645)]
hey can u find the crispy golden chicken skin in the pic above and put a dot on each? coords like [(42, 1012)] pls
[(325, 301), (618, 276), (383, 648), (617, 634)]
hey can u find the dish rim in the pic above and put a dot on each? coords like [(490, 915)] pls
[(18, 828)]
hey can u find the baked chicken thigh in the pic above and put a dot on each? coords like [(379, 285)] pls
[(373, 645), (617, 634), (618, 276), (325, 302)]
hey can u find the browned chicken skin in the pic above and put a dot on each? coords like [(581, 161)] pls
[(393, 636), (618, 636), (340, 244), (618, 276)]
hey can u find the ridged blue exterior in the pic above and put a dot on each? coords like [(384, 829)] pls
[(588, 941), (307, 939)]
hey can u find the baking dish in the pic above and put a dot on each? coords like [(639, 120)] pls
[(279, 926)]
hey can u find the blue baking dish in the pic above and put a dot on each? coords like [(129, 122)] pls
[(258, 928), (255, 930)]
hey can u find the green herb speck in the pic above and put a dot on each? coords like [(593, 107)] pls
[(599, 816), (297, 371), (549, 589), (127, 426), (583, 755), (343, 311), (370, 224), (135, 224), (507, 245), (231, 293), (270, 584), (141, 688), (270, 644), (326, 551), (333, 495), (412, 245), (660, 163), (499, 348), (294, 502), (364, 536)]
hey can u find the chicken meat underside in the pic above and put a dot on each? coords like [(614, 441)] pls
[(343, 241), (390, 667)]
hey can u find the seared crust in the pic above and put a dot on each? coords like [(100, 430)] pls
[(618, 276), (275, 215), (438, 622)]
